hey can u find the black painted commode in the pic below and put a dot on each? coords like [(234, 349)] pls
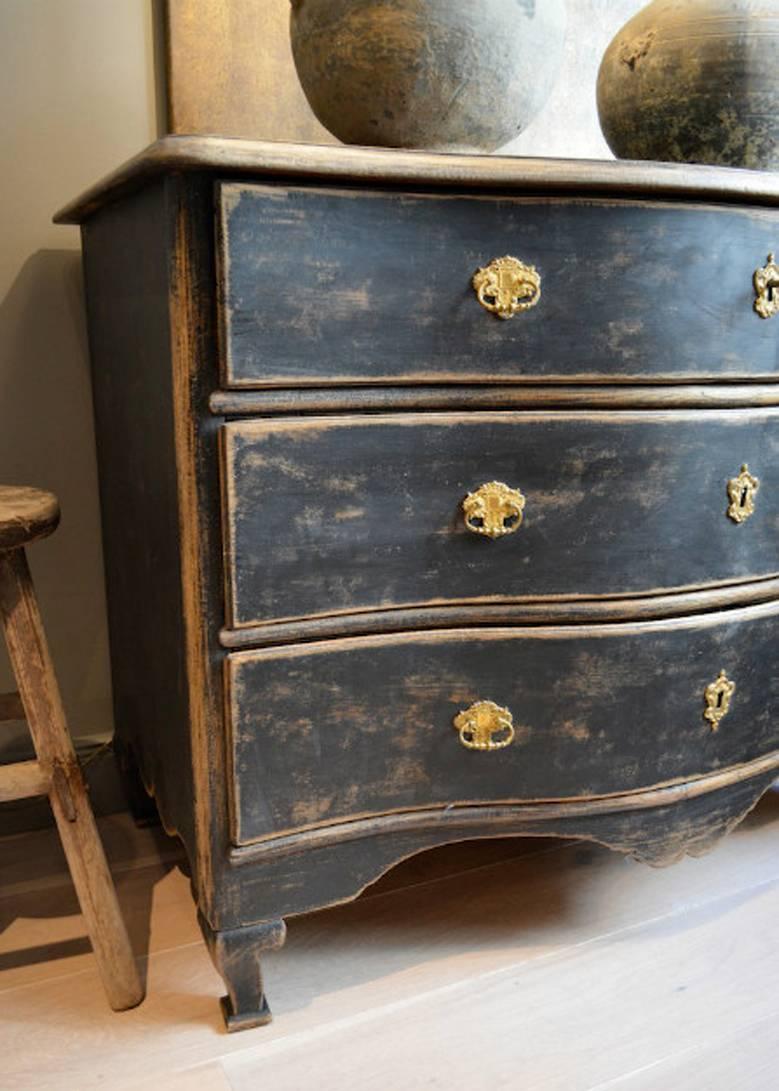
[(439, 502)]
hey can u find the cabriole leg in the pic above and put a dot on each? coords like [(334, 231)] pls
[(236, 955)]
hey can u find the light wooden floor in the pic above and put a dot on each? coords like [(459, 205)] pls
[(529, 965)]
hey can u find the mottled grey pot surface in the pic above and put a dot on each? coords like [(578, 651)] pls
[(695, 81), (445, 74)]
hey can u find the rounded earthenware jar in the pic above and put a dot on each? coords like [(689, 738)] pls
[(695, 81), (438, 74)]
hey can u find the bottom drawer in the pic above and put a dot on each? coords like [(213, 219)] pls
[(323, 733)]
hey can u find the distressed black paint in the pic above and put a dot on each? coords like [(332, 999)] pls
[(365, 726), (298, 881), (352, 287), (356, 513)]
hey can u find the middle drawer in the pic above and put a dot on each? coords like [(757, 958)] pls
[(340, 514)]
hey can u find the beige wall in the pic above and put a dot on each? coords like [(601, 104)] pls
[(568, 125), (255, 34), (77, 97)]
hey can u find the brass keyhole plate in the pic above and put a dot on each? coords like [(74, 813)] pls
[(741, 495), (766, 281), (717, 697)]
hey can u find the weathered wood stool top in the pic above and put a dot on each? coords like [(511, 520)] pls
[(26, 514)]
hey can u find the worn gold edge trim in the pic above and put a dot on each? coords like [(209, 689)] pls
[(329, 398), (507, 812), (214, 154), (501, 378), (689, 599), (185, 353), (227, 506), (233, 781), (411, 417), (232, 189), (561, 631)]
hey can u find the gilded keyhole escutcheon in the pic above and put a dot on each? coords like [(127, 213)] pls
[(741, 494), (766, 281), (718, 696), (507, 286), (485, 726), (494, 509)]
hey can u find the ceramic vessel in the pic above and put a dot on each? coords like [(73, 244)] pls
[(437, 74), (694, 81)]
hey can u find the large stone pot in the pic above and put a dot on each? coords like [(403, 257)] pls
[(695, 81), (463, 75)]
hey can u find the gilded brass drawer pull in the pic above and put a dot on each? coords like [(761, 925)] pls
[(507, 286), (718, 696), (766, 282), (481, 723), (494, 510), (741, 494)]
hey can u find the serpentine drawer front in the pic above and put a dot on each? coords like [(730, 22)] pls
[(349, 513), (327, 286), (367, 724), (457, 492)]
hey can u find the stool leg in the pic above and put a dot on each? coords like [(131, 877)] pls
[(42, 703)]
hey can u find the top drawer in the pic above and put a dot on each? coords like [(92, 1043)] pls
[(322, 286)]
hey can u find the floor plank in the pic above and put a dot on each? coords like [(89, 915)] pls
[(746, 1059), (461, 945), (43, 935), (35, 861), (208, 1077), (605, 1007)]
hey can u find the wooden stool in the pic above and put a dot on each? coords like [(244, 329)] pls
[(27, 514)]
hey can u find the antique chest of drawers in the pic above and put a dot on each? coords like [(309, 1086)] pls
[(440, 501)]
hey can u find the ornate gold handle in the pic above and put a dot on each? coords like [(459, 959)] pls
[(717, 696), (766, 281), (507, 286), (741, 494), (494, 510), (481, 723)]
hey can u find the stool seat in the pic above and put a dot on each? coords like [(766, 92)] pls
[(26, 514)]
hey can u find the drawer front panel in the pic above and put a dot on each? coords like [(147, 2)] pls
[(331, 731), (334, 515), (325, 286)]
